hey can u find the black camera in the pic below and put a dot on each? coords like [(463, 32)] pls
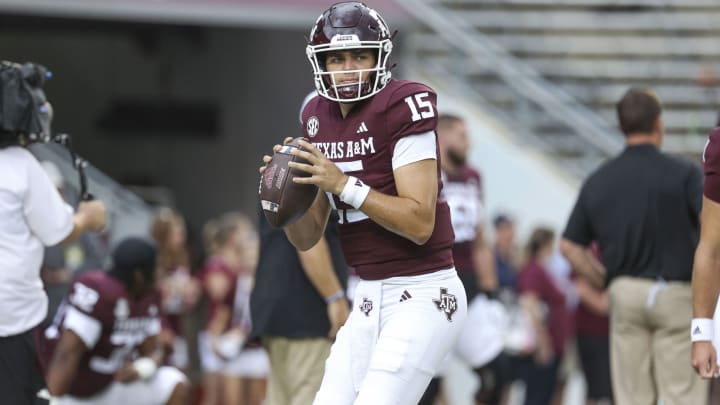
[(24, 111)]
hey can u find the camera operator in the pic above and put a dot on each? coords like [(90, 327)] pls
[(33, 215)]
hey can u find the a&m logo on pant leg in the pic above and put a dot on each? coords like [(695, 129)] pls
[(366, 306), (447, 303)]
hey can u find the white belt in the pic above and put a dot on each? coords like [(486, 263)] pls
[(350, 216)]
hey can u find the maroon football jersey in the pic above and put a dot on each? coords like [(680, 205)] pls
[(362, 144), (711, 165), (463, 193), (125, 323), (216, 265)]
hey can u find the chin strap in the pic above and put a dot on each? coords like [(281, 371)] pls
[(78, 163)]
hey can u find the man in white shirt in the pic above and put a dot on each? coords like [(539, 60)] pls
[(33, 215)]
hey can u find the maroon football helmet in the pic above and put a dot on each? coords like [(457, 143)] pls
[(344, 26)]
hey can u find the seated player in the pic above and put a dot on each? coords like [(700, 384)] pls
[(102, 348)]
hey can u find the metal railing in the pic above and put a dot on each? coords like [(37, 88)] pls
[(477, 47)]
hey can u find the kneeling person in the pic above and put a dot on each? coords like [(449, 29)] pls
[(103, 347)]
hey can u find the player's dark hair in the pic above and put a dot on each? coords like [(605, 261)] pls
[(637, 111), (131, 255), (539, 239), (502, 219)]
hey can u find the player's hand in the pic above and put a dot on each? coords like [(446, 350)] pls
[(267, 158), (338, 312), (127, 373), (704, 359), (324, 173)]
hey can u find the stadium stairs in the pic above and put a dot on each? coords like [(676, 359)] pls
[(552, 71)]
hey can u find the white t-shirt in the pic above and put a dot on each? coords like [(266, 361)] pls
[(414, 148), (34, 215)]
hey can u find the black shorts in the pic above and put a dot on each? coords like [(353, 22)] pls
[(595, 359), (20, 378)]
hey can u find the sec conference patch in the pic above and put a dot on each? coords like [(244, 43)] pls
[(313, 125)]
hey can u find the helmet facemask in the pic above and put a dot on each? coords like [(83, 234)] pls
[(325, 81), (345, 27)]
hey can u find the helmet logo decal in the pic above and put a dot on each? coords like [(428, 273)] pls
[(313, 125), (343, 39), (381, 23)]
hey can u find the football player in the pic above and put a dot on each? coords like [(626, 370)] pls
[(103, 348), (463, 190), (705, 278), (373, 153), (483, 335)]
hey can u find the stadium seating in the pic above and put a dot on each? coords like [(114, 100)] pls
[(589, 51)]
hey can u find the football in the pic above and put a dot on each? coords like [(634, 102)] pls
[(284, 201)]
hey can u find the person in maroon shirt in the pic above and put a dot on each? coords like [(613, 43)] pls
[(179, 290), (463, 191), (103, 348), (373, 153), (592, 330), (554, 328), (234, 373), (483, 335)]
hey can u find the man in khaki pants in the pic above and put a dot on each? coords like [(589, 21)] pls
[(298, 304), (642, 208), (649, 323)]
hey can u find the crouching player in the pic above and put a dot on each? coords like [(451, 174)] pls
[(102, 348)]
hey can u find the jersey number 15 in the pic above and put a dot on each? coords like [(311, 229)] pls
[(420, 103)]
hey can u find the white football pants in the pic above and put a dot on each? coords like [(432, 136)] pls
[(399, 331)]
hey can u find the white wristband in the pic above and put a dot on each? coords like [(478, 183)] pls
[(702, 329), (335, 297), (355, 192), (145, 367)]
